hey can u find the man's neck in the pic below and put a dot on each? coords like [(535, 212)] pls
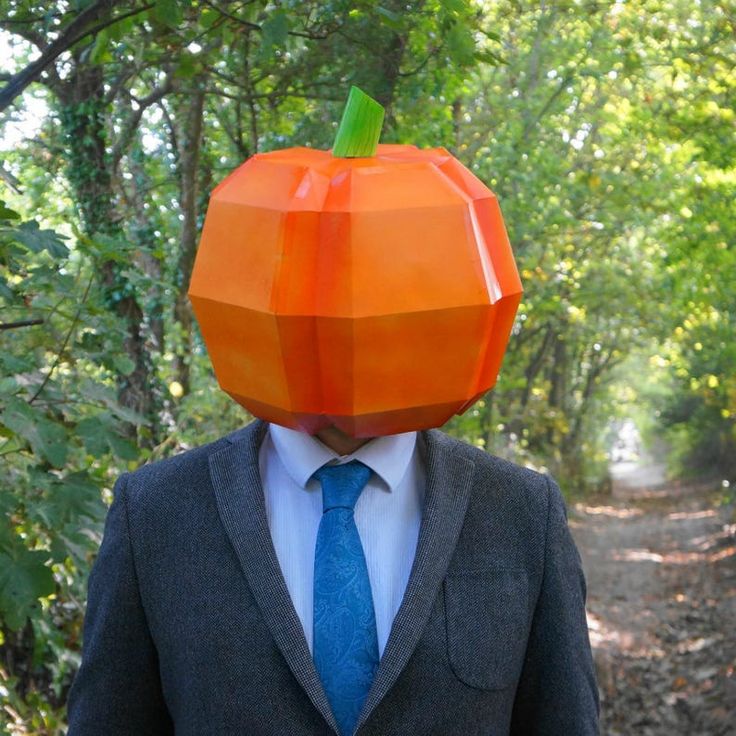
[(339, 442)]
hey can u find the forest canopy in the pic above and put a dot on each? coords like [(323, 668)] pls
[(606, 130)]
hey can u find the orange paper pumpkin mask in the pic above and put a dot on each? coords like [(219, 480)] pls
[(374, 292)]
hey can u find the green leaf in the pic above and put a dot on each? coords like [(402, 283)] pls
[(110, 248), (106, 395), (5, 291), (8, 385), (15, 363), (100, 435), (24, 578), (72, 499), (32, 237), (122, 447), (6, 213), (47, 439), (389, 18), (454, 6), (124, 364), (119, 30), (188, 65), (76, 542), (93, 433), (275, 30), (492, 35), (460, 44), (488, 57), (208, 17), (100, 53), (167, 12)]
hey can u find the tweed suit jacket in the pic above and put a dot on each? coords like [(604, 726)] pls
[(190, 629)]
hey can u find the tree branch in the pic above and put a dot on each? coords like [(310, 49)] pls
[(20, 323), (28, 34), (75, 31), (9, 179), (132, 123), (312, 36), (564, 82), (61, 350)]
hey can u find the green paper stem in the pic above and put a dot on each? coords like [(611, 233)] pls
[(360, 127)]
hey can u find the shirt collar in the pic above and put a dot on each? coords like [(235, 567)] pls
[(301, 454)]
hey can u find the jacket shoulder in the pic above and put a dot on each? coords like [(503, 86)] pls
[(506, 497), (183, 474), (509, 506), (494, 468)]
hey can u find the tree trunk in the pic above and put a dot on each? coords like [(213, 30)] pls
[(189, 136), (81, 98), (535, 365)]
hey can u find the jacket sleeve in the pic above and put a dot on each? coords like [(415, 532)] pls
[(557, 693), (117, 690)]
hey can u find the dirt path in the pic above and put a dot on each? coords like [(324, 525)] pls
[(661, 570)]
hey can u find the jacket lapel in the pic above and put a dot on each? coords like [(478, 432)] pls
[(449, 477), (240, 501)]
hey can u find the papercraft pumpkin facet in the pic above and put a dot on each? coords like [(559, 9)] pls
[(376, 293)]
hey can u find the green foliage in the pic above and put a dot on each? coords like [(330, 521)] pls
[(35, 240), (61, 430), (24, 578), (46, 438), (604, 129)]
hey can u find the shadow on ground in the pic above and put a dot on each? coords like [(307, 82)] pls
[(660, 563)]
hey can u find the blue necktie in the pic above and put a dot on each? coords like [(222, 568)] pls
[(345, 638)]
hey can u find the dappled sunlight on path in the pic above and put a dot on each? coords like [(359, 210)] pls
[(661, 571)]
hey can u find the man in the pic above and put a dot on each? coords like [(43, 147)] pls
[(191, 628), (336, 567)]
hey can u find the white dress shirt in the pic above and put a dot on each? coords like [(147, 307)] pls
[(388, 514)]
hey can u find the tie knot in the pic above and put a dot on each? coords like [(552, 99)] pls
[(342, 484)]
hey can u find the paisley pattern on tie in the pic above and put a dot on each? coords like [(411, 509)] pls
[(345, 638)]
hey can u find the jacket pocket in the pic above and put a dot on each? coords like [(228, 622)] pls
[(487, 619)]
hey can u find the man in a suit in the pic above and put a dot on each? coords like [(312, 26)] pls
[(200, 619), (275, 582)]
